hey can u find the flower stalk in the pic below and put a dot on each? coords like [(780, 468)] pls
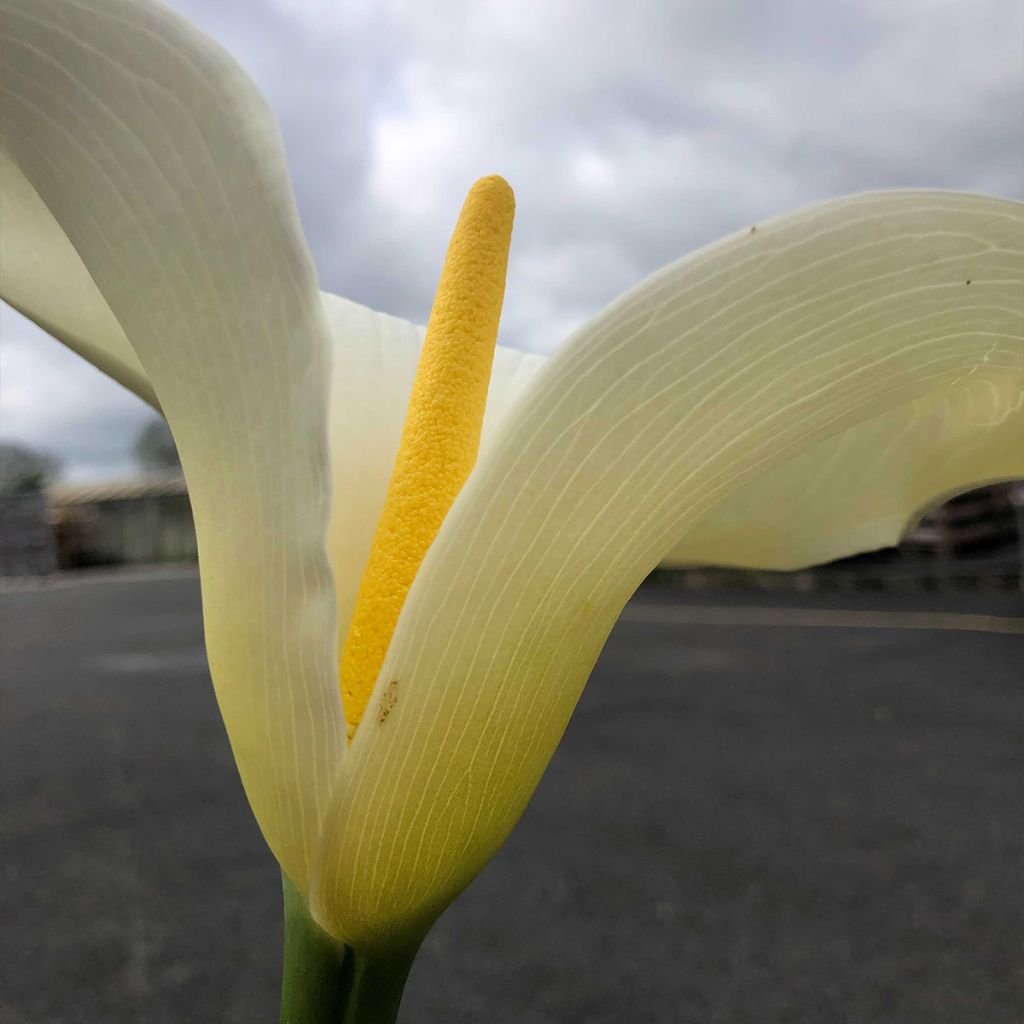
[(374, 986), (327, 982), (313, 987)]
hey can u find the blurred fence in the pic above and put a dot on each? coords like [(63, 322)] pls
[(27, 545)]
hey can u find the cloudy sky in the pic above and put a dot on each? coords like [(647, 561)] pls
[(632, 133)]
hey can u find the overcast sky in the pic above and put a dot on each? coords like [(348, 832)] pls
[(631, 132)]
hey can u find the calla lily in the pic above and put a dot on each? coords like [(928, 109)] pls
[(792, 394)]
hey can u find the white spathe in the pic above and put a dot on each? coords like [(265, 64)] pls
[(783, 397), (852, 319)]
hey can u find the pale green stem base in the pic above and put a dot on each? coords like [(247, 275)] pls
[(328, 983)]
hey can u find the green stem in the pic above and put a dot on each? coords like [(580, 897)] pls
[(326, 982), (375, 987), (313, 989)]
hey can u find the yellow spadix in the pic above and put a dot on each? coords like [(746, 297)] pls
[(441, 435)]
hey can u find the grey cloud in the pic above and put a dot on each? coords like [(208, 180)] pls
[(707, 117)]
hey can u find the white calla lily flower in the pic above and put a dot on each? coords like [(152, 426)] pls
[(792, 394)]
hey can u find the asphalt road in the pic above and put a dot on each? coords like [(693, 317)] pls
[(758, 814)]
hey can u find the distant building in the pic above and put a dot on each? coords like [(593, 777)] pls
[(124, 523)]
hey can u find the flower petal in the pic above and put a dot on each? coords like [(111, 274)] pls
[(375, 357), (866, 487), (163, 168), (708, 373), (43, 277)]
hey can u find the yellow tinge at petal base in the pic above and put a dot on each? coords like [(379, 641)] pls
[(441, 434)]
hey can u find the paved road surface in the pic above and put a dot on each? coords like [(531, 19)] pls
[(758, 815)]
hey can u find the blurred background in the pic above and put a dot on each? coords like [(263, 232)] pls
[(805, 806)]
